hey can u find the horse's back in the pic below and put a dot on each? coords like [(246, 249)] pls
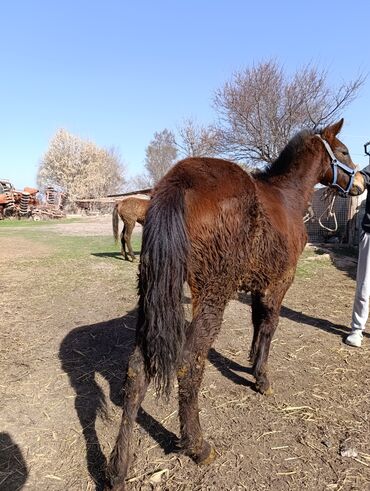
[(213, 189), (211, 176)]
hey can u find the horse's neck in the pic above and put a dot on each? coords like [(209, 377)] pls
[(297, 181)]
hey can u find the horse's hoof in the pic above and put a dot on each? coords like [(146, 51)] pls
[(206, 456), (269, 391), (264, 387), (211, 457)]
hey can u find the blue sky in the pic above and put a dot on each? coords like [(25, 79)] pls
[(117, 71)]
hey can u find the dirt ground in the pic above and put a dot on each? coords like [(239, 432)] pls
[(67, 326)]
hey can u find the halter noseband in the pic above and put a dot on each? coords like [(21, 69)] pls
[(335, 163)]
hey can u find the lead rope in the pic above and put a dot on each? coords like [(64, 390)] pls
[(330, 214), (310, 214)]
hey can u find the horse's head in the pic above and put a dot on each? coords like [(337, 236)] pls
[(338, 170)]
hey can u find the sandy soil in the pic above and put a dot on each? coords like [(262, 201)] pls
[(67, 328)]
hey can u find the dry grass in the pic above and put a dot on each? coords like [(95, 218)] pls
[(68, 322)]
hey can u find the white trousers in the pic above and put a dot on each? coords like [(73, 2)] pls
[(360, 312)]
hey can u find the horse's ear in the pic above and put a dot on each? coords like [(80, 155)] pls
[(331, 131)]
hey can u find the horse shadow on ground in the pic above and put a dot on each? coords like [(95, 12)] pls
[(301, 318), (13, 467), (114, 255), (104, 348), (228, 367)]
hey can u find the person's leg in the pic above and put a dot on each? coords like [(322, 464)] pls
[(361, 302)]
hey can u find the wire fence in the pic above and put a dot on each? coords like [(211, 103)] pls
[(337, 224)]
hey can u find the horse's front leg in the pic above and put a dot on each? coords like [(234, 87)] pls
[(135, 388), (265, 317)]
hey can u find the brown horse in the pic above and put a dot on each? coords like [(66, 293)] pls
[(220, 229), (131, 210)]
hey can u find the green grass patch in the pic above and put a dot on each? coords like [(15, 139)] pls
[(5, 224), (73, 246), (308, 266), (64, 247), (70, 262)]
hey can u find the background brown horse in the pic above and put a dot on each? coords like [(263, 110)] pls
[(221, 229), (131, 210)]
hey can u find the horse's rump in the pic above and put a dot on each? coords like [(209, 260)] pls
[(239, 233)]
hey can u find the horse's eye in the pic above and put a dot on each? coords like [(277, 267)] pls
[(344, 152)]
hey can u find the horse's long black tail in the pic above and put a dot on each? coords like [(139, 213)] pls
[(162, 273), (115, 220)]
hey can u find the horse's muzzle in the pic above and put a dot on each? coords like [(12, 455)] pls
[(358, 186)]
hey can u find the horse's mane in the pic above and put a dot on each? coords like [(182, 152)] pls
[(292, 150)]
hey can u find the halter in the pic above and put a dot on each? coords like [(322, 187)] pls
[(335, 163)]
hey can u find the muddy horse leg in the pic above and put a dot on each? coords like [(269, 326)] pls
[(265, 317), (129, 227), (134, 391), (200, 336), (256, 320)]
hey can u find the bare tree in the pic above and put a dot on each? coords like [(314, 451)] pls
[(261, 108), (161, 154), (197, 141), (80, 168), (138, 182)]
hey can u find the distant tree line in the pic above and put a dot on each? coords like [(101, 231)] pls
[(258, 110)]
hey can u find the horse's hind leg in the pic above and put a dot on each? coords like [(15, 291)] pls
[(265, 317), (134, 391), (200, 336), (123, 243), (129, 227)]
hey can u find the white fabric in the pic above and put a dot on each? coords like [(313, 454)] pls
[(360, 312), (355, 339)]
